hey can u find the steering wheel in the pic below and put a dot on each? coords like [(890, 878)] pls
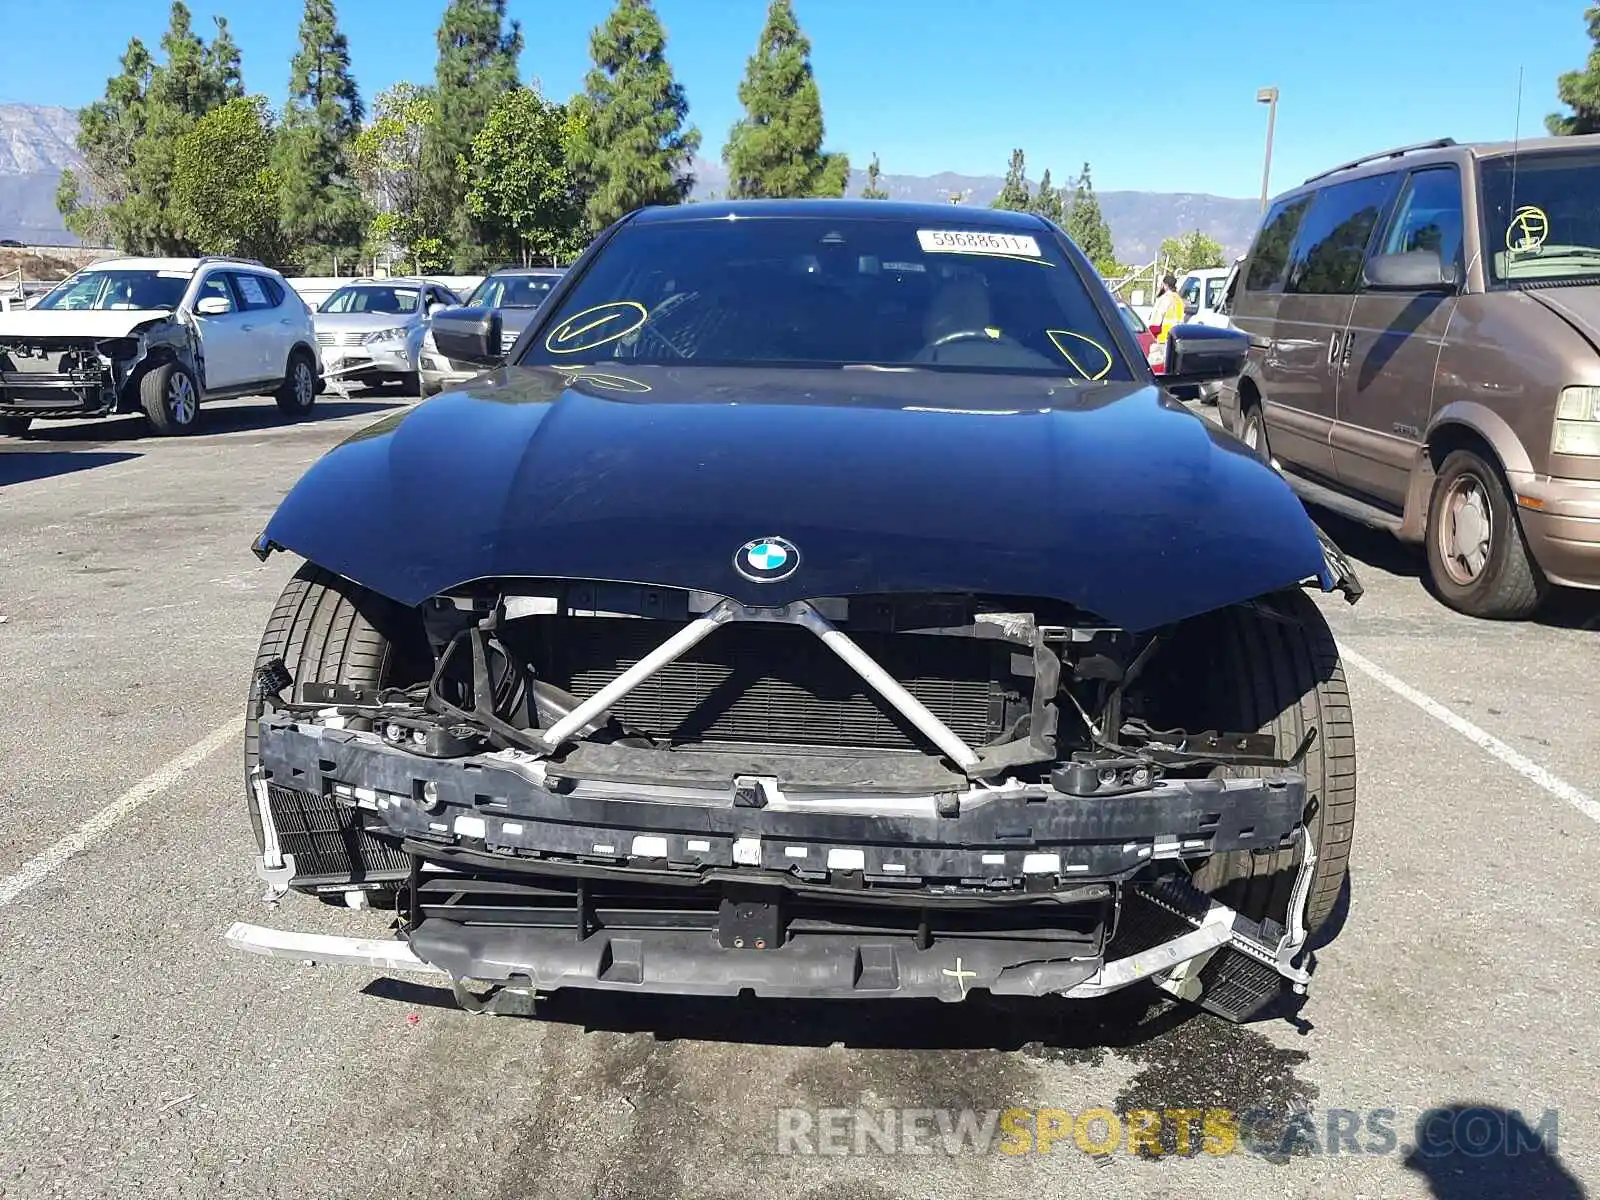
[(969, 335)]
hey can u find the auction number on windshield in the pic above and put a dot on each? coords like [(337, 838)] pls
[(958, 241)]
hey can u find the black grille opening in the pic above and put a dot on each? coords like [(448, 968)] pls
[(623, 907), (778, 684), (328, 842)]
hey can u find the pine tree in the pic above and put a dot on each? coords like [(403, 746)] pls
[(1047, 201), (1580, 90), (775, 149), (129, 138), (632, 145), (321, 210), (477, 66), (1087, 227), (1014, 191), (872, 191)]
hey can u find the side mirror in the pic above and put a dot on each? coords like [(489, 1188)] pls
[(1189, 310), (1414, 271), (213, 306), (1203, 354), (468, 335)]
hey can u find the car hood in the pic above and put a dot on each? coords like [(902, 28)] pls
[(364, 321), (1580, 305), (85, 322), (1111, 496)]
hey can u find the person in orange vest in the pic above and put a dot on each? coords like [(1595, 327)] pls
[(1168, 309)]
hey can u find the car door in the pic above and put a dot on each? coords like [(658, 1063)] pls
[(1392, 346), (267, 342), (224, 336), (1318, 295)]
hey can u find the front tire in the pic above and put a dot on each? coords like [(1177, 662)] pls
[(1478, 560), (298, 392), (1246, 670), (1253, 433), (170, 398), (15, 426), (328, 629)]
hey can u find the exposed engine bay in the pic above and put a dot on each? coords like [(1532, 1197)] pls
[(595, 770), (42, 376)]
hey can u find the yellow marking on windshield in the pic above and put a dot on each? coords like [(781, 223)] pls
[(1055, 336), (569, 336), (1528, 229)]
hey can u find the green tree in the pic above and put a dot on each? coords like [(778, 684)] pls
[(1580, 90), (1193, 251), (633, 145), (477, 66), (224, 188), (322, 212), (872, 191), (387, 156), (128, 138), (775, 149), (1014, 191), (520, 186), (1047, 200), (1087, 227)]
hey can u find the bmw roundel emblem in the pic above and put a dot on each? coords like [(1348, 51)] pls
[(767, 560)]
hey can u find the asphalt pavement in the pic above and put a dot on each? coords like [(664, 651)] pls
[(140, 1056)]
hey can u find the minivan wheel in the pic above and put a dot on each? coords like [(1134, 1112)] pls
[(1478, 559), (1253, 433)]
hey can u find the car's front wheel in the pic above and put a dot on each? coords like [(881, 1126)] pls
[(299, 389), (327, 629), (1478, 559), (170, 399), (14, 426), (1253, 433)]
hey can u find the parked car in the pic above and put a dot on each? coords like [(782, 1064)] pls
[(1141, 333), (678, 663), (371, 330), (159, 336), (1201, 291), (516, 293), (1424, 324)]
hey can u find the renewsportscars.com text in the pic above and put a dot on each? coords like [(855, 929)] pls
[(1473, 1132)]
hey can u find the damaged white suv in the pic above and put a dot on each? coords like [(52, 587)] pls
[(157, 336)]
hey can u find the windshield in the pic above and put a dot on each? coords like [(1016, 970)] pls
[(832, 291), (372, 299), (118, 289), (512, 291), (1542, 217)]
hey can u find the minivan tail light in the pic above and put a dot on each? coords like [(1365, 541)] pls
[(1577, 428)]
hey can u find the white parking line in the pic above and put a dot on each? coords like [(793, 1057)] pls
[(40, 866), (1517, 761)]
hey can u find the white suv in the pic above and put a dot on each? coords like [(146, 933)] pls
[(158, 336)]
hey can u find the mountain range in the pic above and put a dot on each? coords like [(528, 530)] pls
[(37, 143)]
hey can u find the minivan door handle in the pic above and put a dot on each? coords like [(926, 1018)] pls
[(1333, 347)]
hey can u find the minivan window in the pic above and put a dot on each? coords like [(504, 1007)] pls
[(1333, 240), (1428, 216), (1542, 216), (1269, 258)]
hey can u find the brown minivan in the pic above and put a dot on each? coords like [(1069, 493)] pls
[(1425, 358)]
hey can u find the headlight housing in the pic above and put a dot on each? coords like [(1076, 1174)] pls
[(397, 334), (1577, 428)]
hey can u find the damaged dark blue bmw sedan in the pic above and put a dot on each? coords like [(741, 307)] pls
[(819, 599)]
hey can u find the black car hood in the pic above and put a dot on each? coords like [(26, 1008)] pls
[(1111, 496)]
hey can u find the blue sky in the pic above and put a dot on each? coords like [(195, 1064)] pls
[(936, 85)]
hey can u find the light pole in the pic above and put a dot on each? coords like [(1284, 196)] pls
[(1269, 97)]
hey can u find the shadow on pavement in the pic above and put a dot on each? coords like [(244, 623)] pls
[(1483, 1152), (20, 466), (226, 418)]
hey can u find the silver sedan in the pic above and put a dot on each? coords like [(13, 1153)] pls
[(371, 330)]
